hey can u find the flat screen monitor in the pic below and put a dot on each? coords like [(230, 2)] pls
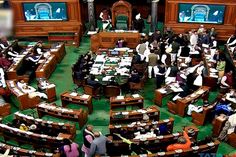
[(51, 11), (201, 13)]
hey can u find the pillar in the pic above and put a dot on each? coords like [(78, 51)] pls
[(91, 15), (154, 14)]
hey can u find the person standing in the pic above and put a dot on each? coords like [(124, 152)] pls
[(88, 139), (98, 146), (70, 149)]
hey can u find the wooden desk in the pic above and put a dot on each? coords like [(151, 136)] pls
[(24, 100), (12, 70), (159, 94), (131, 129), (134, 115), (5, 108), (37, 140), (207, 148), (232, 139), (209, 80), (109, 39), (218, 124), (18, 151), (56, 49), (50, 91), (127, 101), (46, 68), (181, 104), (67, 98), (80, 115), (59, 127)]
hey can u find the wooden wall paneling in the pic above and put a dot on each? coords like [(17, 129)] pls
[(224, 30)]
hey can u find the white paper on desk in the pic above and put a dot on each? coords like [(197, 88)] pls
[(194, 52), (176, 89), (73, 94), (51, 86), (201, 91), (162, 91), (53, 50), (41, 69), (41, 61), (121, 49), (213, 70), (135, 95), (120, 97), (25, 53), (213, 75), (106, 78), (100, 58), (84, 96), (92, 32)]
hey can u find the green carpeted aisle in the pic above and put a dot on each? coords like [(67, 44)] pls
[(100, 116)]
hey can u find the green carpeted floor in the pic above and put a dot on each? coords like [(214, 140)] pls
[(100, 116)]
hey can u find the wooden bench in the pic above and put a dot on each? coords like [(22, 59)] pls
[(44, 125), (199, 150), (79, 116), (18, 151), (37, 140), (116, 102), (23, 99), (181, 104), (85, 100), (117, 117), (130, 129)]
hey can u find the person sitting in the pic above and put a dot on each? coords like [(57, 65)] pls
[(120, 43), (93, 82), (88, 137), (227, 80), (183, 143), (44, 84), (30, 90), (112, 82), (23, 127), (4, 43), (134, 77), (4, 62)]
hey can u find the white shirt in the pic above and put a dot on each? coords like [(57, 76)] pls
[(223, 79), (232, 43), (2, 79)]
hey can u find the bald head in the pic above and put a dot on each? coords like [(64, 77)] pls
[(96, 134)]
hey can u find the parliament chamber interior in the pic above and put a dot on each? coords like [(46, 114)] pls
[(133, 78)]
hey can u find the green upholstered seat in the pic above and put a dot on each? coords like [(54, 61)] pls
[(122, 22)]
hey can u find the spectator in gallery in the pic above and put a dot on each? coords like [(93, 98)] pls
[(88, 137), (138, 23), (183, 143), (69, 148)]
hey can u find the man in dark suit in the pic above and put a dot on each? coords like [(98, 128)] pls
[(92, 82)]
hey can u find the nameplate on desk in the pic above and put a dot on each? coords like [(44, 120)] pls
[(120, 97)]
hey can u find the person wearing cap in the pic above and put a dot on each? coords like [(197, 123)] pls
[(183, 143)]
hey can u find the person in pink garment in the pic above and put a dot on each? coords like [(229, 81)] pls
[(70, 149)]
